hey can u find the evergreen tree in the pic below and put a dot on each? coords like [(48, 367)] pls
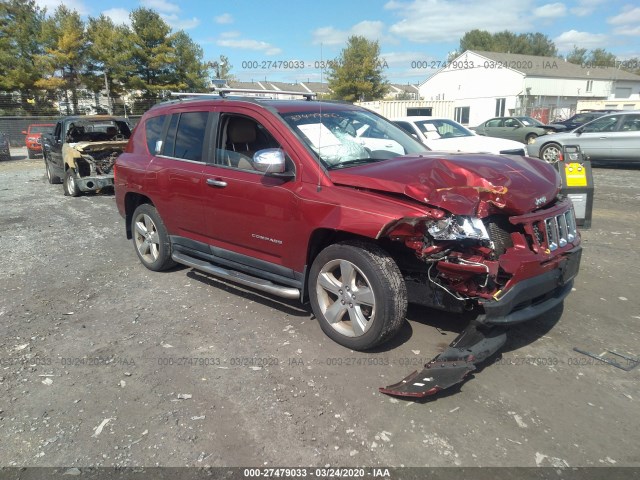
[(20, 26), (63, 60), (190, 70), (357, 74), (109, 56)]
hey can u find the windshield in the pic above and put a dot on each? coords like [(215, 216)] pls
[(342, 138), (530, 122), (41, 128), (97, 130), (437, 129)]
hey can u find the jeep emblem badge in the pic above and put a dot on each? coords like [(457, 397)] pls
[(540, 201)]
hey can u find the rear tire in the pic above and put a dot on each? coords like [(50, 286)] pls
[(358, 294), (51, 178), (151, 239), (69, 186), (530, 138)]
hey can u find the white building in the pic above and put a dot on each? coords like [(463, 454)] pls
[(483, 85)]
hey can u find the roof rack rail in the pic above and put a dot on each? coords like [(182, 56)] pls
[(222, 92)]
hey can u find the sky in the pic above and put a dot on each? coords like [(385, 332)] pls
[(279, 40)]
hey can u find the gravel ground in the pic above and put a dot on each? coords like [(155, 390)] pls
[(105, 363)]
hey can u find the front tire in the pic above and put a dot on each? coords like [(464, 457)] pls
[(31, 153), (150, 238), (69, 186), (357, 294), (551, 153)]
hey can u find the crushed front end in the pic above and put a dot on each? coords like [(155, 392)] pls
[(506, 268)]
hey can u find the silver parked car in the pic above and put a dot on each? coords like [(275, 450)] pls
[(613, 137)]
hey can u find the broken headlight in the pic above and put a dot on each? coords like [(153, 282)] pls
[(458, 227)]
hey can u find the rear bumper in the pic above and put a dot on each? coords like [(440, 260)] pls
[(534, 296)]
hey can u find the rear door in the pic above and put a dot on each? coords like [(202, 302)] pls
[(176, 173)]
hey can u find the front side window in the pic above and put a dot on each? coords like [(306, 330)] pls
[(630, 123), (341, 138), (605, 124), (239, 139)]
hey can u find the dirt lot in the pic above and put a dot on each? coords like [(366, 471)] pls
[(105, 363)]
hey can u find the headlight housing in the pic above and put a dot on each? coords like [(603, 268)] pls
[(458, 227)]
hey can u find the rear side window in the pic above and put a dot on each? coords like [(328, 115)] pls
[(153, 130), (186, 136)]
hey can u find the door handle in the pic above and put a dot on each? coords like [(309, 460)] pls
[(216, 183)]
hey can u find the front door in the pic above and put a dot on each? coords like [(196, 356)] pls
[(247, 212)]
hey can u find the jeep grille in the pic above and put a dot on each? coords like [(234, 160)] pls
[(560, 230)]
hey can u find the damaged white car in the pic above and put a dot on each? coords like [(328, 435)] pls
[(82, 150)]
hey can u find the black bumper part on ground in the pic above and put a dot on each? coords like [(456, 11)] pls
[(474, 345)]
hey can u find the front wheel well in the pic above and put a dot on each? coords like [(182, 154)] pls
[(321, 239), (132, 201)]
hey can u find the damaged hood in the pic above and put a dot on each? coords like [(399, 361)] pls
[(87, 147), (463, 184)]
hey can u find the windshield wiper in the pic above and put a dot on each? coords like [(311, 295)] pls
[(357, 161)]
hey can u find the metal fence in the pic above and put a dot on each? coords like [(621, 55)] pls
[(18, 110)]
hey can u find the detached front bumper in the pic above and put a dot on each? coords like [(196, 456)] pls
[(91, 184)]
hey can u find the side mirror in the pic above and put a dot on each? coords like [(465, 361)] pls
[(24, 132), (271, 161), (579, 130)]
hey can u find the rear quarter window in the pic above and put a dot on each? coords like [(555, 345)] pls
[(153, 131)]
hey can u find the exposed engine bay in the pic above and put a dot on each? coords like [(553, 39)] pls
[(93, 158)]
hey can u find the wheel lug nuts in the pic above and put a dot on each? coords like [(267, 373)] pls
[(342, 302), (351, 305)]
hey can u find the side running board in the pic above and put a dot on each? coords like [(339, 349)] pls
[(237, 277)]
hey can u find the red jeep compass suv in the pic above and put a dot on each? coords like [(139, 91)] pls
[(331, 203)]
